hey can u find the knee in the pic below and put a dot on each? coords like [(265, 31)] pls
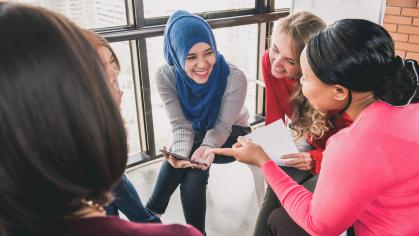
[(280, 223), (195, 180)]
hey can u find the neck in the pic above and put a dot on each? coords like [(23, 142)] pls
[(360, 100)]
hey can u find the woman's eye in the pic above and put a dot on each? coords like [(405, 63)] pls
[(190, 58), (291, 62), (209, 53)]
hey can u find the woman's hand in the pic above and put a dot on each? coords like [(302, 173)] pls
[(202, 155), (245, 151), (176, 163), (301, 160)]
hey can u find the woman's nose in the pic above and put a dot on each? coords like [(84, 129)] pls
[(277, 61), (202, 63)]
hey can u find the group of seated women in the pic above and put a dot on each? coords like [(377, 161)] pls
[(64, 148)]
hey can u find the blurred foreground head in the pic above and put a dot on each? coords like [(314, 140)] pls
[(62, 137)]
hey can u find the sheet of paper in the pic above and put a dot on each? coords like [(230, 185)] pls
[(275, 139)]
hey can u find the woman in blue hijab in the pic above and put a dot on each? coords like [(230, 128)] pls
[(204, 98)]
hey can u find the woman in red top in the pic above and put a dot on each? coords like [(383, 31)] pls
[(64, 146), (281, 73)]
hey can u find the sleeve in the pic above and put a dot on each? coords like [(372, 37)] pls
[(341, 196), (231, 105), (182, 130), (317, 156), (273, 111)]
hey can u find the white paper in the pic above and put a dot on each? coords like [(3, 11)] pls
[(275, 139)]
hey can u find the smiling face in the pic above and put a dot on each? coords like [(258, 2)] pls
[(199, 62), (283, 62)]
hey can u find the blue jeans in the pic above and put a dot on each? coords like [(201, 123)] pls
[(129, 203), (193, 183)]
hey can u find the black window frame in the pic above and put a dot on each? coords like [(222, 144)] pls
[(140, 28)]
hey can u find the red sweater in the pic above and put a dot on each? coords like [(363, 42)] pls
[(369, 179), (114, 226), (278, 92)]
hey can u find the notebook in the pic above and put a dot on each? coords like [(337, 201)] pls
[(275, 139)]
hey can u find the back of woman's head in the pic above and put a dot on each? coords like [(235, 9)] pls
[(62, 135), (300, 27), (359, 55)]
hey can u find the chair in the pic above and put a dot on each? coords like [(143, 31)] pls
[(260, 184)]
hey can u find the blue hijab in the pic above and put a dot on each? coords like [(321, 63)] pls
[(200, 102)]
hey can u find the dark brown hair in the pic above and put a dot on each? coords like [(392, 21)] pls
[(62, 135)]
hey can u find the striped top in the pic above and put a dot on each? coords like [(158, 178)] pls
[(232, 111)]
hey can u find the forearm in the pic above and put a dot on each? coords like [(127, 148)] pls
[(298, 203), (232, 110)]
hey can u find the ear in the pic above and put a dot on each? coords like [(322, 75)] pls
[(340, 93)]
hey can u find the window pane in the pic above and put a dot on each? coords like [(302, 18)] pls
[(153, 8), (231, 40), (283, 4), (87, 13), (128, 106)]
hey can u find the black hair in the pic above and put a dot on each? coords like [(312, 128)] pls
[(62, 137), (359, 55)]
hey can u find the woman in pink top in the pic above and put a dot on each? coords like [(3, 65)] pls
[(370, 174)]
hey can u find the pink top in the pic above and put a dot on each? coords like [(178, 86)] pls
[(369, 177)]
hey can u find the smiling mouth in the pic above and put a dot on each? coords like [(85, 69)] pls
[(202, 73), (279, 70)]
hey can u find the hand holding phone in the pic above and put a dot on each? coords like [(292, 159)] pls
[(178, 157)]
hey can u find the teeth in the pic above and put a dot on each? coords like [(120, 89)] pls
[(280, 71), (201, 72)]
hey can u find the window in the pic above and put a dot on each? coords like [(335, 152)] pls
[(128, 103), (87, 13), (156, 8), (139, 49), (283, 4)]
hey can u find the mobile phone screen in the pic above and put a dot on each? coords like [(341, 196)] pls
[(179, 157)]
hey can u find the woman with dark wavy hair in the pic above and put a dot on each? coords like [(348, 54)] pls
[(63, 141), (370, 174)]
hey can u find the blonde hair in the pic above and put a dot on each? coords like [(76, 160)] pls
[(300, 27)]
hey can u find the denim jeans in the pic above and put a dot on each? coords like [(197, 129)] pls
[(193, 183), (129, 203)]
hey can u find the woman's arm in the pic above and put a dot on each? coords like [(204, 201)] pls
[(231, 105), (353, 175), (342, 193), (182, 130)]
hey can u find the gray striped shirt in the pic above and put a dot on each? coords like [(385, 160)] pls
[(232, 110)]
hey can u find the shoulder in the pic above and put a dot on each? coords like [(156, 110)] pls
[(164, 229), (165, 73), (112, 226), (236, 77)]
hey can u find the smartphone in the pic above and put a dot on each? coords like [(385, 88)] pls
[(179, 157)]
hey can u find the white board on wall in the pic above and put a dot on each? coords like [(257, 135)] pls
[(332, 10)]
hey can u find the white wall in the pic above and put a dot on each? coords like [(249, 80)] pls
[(332, 10)]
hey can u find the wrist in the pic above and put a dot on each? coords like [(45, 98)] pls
[(206, 145), (263, 160)]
